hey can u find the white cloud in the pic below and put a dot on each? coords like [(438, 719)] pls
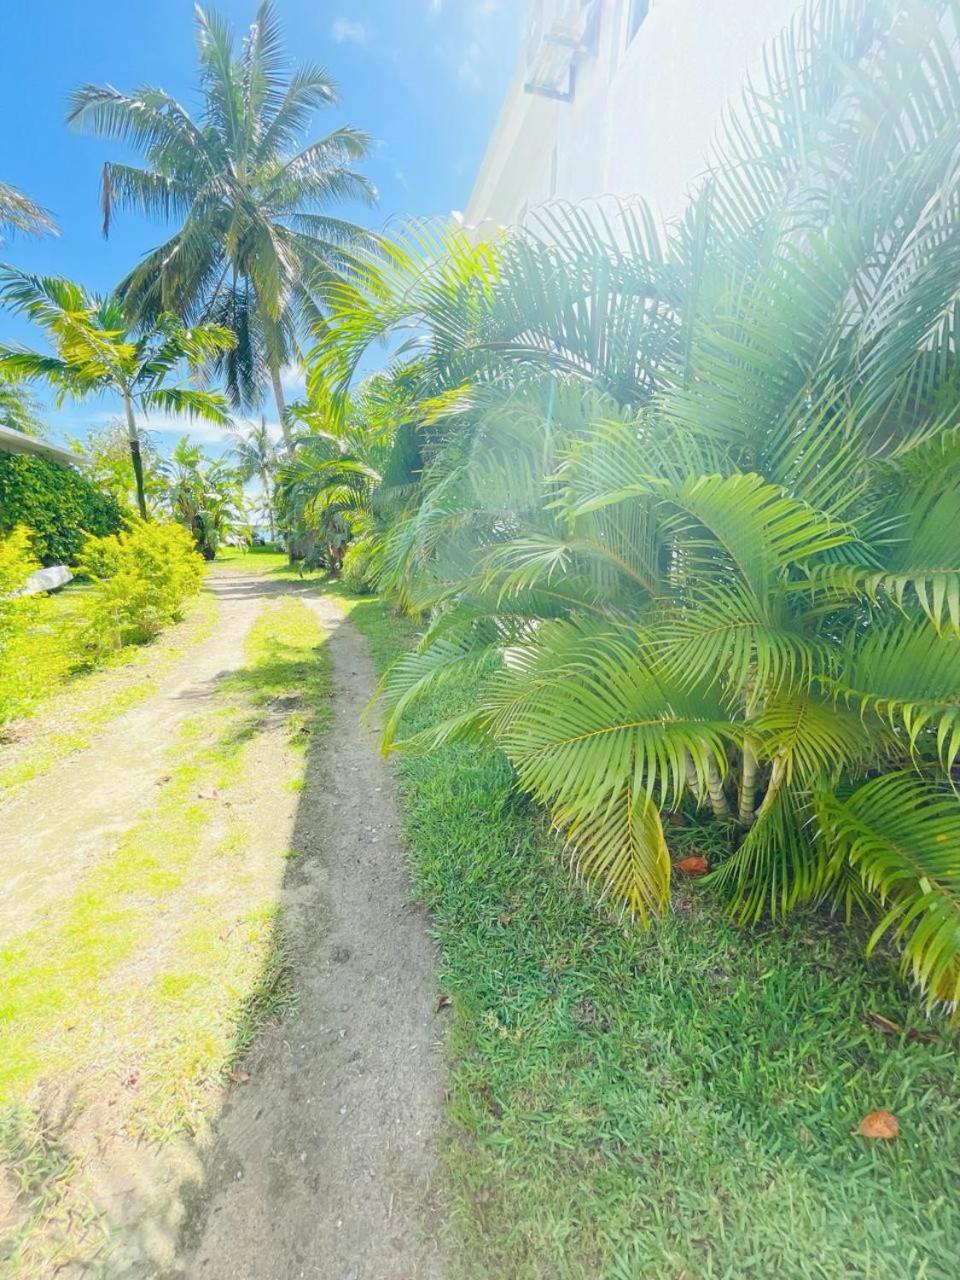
[(346, 32), (293, 382)]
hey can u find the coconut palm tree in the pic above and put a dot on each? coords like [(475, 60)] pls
[(687, 511), (256, 244), (95, 351), (256, 458), (19, 213)]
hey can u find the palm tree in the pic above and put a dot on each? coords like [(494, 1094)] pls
[(256, 457), (206, 496), (96, 351), (19, 409), (19, 213), (256, 245), (687, 509)]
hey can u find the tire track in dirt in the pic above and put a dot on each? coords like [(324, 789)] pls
[(324, 1163)]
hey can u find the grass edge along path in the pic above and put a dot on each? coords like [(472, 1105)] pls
[(149, 982), (680, 1103)]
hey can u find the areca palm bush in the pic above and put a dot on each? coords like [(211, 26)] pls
[(256, 243), (331, 493), (206, 497), (687, 499), (97, 351)]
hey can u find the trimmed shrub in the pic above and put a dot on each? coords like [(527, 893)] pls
[(59, 506), (141, 580), (17, 615)]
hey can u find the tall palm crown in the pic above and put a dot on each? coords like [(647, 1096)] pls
[(19, 213), (95, 351), (256, 459), (256, 245)]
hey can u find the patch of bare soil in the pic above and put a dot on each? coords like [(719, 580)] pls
[(57, 827), (323, 1163)]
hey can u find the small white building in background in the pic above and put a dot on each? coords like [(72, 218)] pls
[(619, 97)]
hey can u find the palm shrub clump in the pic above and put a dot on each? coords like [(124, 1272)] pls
[(331, 493), (685, 502), (206, 497)]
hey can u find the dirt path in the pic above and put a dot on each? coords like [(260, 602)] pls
[(321, 1162), (324, 1161), (77, 812)]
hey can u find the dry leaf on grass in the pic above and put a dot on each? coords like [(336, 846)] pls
[(889, 1028), (693, 866), (879, 1124)]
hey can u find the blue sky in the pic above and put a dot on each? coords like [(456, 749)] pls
[(424, 77)]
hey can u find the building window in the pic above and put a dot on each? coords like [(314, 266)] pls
[(636, 16)]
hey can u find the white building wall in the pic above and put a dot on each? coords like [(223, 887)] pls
[(643, 113)]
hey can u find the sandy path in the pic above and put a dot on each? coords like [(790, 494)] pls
[(78, 811), (323, 1163)]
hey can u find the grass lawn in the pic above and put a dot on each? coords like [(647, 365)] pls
[(678, 1104), (65, 705), (259, 560)]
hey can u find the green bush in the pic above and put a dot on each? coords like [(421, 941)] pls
[(59, 506), (359, 567), (17, 615), (141, 580)]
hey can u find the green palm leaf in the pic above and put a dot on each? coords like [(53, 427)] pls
[(901, 835)]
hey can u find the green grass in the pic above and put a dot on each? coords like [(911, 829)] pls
[(259, 560), (74, 705), (678, 1104)]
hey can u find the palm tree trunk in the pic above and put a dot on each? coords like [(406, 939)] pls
[(748, 785), (268, 498), (718, 799), (778, 776), (281, 405), (134, 437), (693, 778)]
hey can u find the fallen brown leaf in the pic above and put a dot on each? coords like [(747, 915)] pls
[(239, 1077), (880, 1023), (444, 1002), (889, 1028), (879, 1124), (693, 866)]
